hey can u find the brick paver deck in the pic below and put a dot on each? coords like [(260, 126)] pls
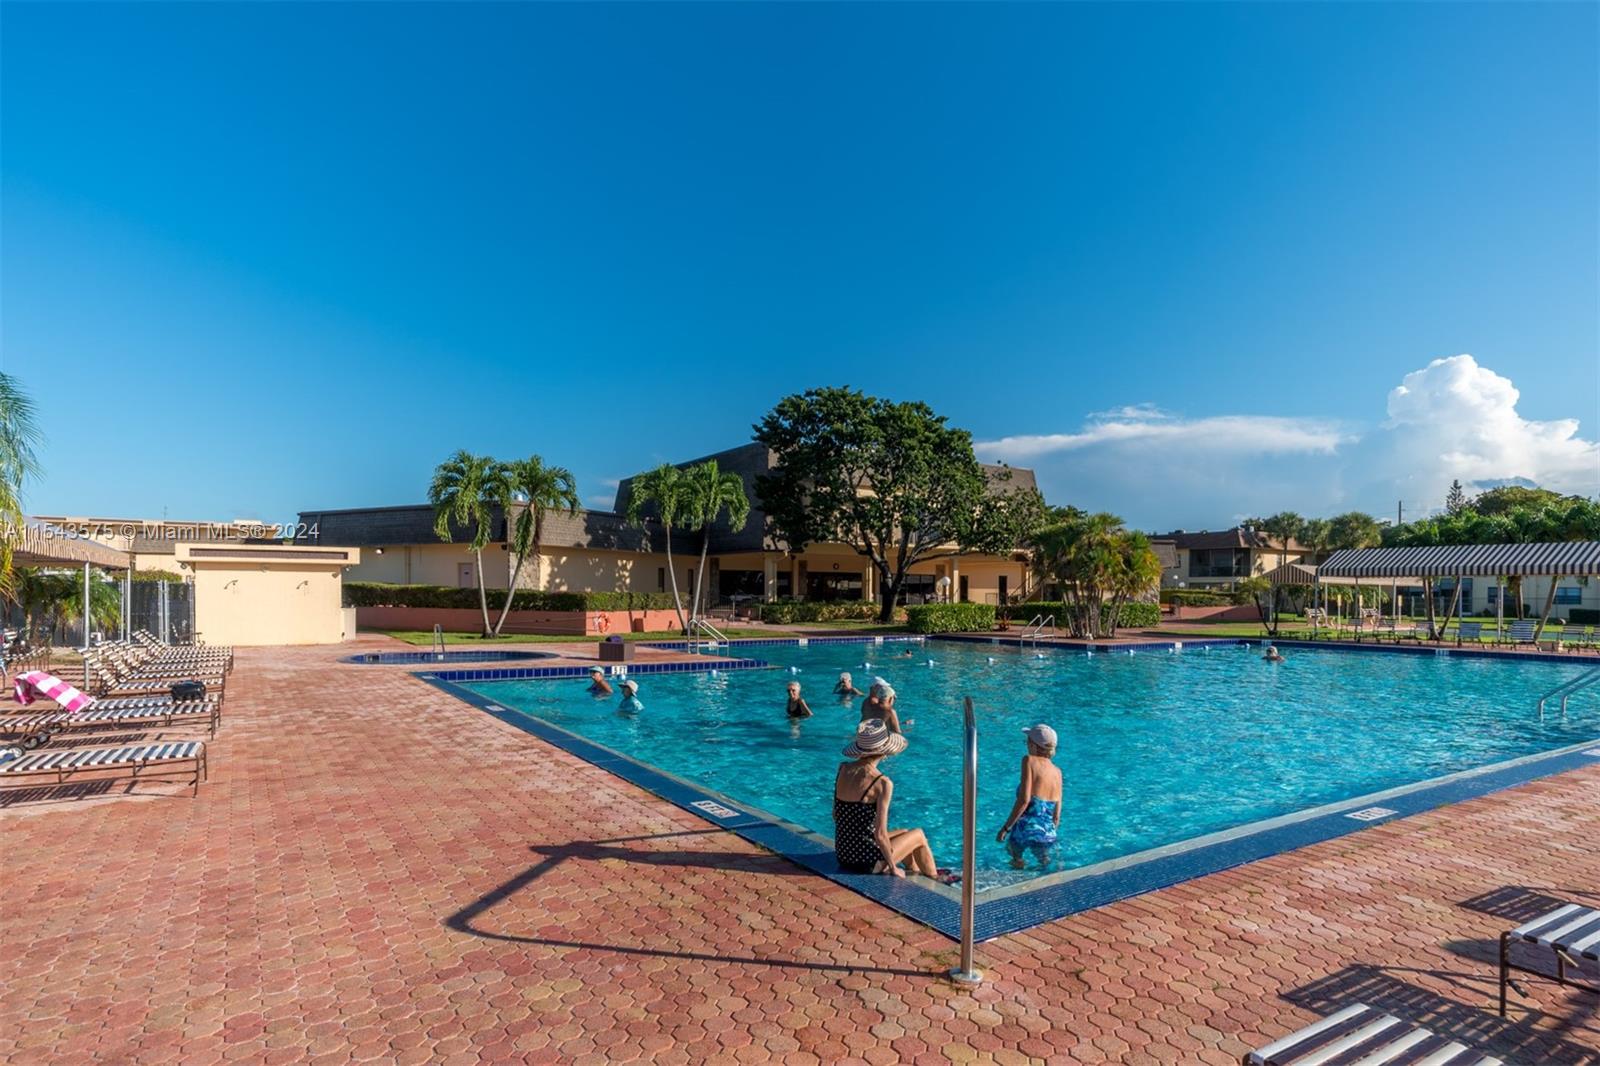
[(400, 878)]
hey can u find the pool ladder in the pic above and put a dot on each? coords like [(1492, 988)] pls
[(1035, 628), (700, 625), (1567, 688), (437, 645)]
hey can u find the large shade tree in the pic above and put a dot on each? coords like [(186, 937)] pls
[(667, 491), (713, 492), (891, 479), (532, 489), (466, 493)]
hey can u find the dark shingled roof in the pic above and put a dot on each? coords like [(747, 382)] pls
[(383, 526), (1238, 537)]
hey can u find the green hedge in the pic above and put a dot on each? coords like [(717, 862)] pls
[(788, 612), (158, 575), (1201, 597), (1587, 616), (378, 594), (951, 618), (1133, 614)]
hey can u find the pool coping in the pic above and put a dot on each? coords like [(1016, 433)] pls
[(1007, 908)]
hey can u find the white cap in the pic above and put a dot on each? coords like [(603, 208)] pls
[(1041, 736), (633, 686)]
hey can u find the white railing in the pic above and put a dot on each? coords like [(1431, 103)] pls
[(436, 646), (699, 624), (1034, 629), (1566, 689)]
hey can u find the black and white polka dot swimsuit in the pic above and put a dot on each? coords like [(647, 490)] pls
[(855, 838)]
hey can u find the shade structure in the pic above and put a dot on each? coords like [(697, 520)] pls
[(1578, 558), (1308, 575), (43, 544)]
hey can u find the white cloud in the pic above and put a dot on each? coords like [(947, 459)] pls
[(1451, 419), (1457, 419), (1144, 424)]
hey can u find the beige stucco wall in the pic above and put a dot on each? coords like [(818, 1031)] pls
[(269, 594)]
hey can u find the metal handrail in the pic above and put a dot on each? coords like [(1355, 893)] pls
[(699, 622), (1034, 628), (967, 973), (1567, 688), (437, 647)]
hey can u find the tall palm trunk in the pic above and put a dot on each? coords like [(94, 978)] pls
[(483, 593), (672, 576), (516, 575), (700, 574), (1427, 594)]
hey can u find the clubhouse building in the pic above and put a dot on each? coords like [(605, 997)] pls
[(600, 551)]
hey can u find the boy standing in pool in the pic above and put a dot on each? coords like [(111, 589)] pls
[(1036, 815)]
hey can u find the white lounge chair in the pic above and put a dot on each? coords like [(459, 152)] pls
[(1570, 933), (183, 759), (39, 726), (1361, 1034)]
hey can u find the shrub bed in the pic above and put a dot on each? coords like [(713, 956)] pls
[(951, 618), (1133, 614), (1137, 615), (1200, 597), (788, 612), (1587, 616), (378, 594)]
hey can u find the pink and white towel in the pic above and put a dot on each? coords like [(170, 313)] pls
[(38, 683)]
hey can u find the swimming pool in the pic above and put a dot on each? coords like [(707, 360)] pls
[(1158, 748)]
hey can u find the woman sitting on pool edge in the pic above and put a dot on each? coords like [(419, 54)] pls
[(1036, 816), (862, 840)]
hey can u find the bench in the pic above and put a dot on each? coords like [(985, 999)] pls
[(1571, 933), (1361, 1034)]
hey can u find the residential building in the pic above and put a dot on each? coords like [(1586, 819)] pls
[(1222, 559), (599, 550)]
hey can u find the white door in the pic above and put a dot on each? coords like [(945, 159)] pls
[(466, 577)]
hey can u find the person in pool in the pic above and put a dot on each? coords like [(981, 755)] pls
[(798, 708), (880, 704), (846, 688), (908, 653), (598, 685), (630, 698), (862, 840), (1036, 816), (1273, 655)]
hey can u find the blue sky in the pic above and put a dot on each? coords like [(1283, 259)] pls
[(1179, 258)]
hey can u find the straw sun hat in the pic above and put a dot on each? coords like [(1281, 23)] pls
[(872, 739)]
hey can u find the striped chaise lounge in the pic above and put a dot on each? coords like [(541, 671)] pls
[(1361, 1034), (179, 759), (108, 714), (1520, 633), (1571, 933)]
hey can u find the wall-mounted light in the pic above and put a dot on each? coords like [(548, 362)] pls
[(230, 584), (302, 584), (377, 551)]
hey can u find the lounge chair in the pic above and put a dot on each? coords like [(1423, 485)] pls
[(37, 728), (1361, 1034), (1520, 633), (1574, 637), (1468, 631), (1570, 933), (181, 759)]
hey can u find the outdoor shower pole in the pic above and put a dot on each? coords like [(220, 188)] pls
[(86, 603), (966, 973)]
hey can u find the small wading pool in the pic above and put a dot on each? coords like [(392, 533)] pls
[(391, 657), (1159, 749)]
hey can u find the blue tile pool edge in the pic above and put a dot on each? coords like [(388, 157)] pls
[(1012, 908)]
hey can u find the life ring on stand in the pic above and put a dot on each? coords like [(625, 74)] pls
[(602, 623)]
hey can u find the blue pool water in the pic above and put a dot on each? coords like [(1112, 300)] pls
[(1155, 748)]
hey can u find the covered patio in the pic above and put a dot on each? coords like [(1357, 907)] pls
[(1395, 567), (48, 546)]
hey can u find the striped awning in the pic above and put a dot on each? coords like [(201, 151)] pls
[(1577, 558), (1306, 574), (44, 544)]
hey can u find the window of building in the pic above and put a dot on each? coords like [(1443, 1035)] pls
[(1569, 594)]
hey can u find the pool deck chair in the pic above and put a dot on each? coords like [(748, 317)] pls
[(1570, 933), (41, 725), (179, 759), (1360, 1034), (1575, 637), (1468, 631), (1520, 633)]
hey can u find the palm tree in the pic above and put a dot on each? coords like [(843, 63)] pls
[(711, 492), (19, 435), (464, 492), (533, 489), (668, 489), (1137, 571)]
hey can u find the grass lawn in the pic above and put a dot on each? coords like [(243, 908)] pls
[(1300, 629), (424, 638)]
